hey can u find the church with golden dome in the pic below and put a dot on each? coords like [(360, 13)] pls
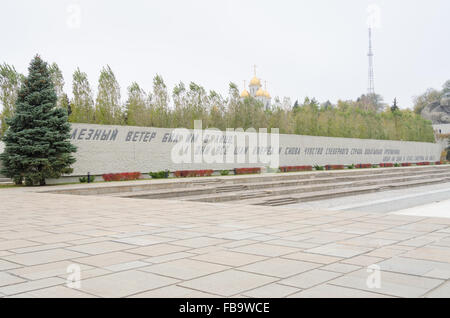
[(256, 91)]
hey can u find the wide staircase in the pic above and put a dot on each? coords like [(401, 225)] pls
[(280, 189)]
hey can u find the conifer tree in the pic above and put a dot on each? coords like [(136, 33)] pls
[(37, 144)]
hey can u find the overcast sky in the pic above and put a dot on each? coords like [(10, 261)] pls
[(302, 47)]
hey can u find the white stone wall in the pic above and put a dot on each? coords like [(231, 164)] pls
[(151, 151), (138, 149), (443, 129)]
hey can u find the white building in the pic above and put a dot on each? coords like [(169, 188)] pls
[(256, 90)]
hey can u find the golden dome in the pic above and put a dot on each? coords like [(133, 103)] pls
[(245, 93), (266, 93), (260, 93), (255, 82)]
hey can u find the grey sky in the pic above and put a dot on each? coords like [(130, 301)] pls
[(302, 48)]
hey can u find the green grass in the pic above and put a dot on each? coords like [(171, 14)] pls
[(6, 186)]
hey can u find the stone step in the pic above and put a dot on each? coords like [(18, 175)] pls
[(332, 173), (327, 194), (280, 202), (253, 195), (171, 184), (206, 182), (241, 195), (233, 188), (202, 190)]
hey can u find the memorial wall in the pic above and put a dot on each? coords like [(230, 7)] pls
[(114, 149), (442, 129)]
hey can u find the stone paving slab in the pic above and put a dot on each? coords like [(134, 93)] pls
[(332, 291), (310, 279), (417, 267), (46, 270), (442, 291), (43, 257), (54, 292), (229, 283), (31, 285), (124, 284), (185, 269), (174, 292), (229, 258), (272, 291), (393, 284), (8, 279), (156, 248), (279, 267)]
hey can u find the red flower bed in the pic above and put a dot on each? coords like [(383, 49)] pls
[(125, 176), (334, 167), (296, 168), (386, 165), (422, 164), (406, 164), (247, 170), (438, 163), (364, 166), (193, 173)]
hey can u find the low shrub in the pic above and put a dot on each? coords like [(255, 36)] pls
[(224, 172), (159, 175), (18, 180), (238, 171), (29, 182), (86, 180), (423, 163), (319, 168), (352, 166), (296, 168), (125, 176), (396, 165), (193, 173), (334, 167)]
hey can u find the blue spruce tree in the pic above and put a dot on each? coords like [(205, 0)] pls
[(37, 143)]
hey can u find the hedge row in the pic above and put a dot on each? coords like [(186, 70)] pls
[(334, 167), (247, 171), (125, 176), (193, 173), (364, 166), (296, 168), (241, 171)]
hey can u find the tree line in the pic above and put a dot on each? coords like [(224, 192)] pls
[(366, 117), (431, 95)]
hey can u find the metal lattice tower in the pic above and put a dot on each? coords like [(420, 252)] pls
[(371, 86)]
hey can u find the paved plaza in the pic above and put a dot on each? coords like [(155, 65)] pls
[(164, 248)]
